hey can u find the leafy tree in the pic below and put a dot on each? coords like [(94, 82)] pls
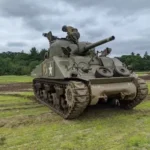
[(146, 55), (132, 54)]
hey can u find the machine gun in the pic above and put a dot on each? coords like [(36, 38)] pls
[(50, 37), (105, 52)]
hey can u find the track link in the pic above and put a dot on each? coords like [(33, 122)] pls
[(142, 92), (69, 100)]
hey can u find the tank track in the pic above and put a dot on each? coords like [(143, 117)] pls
[(142, 91), (66, 98)]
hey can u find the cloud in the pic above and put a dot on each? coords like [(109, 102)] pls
[(20, 8), (117, 7), (16, 44), (24, 21)]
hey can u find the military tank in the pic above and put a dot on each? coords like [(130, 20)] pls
[(73, 75)]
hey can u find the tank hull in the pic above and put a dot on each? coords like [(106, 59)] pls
[(70, 97)]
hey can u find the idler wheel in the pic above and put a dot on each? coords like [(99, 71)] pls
[(121, 71), (103, 72)]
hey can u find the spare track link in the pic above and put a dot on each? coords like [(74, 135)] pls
[(142, 92), (80, 96)]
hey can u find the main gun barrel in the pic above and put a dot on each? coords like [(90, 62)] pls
[(98, 43)]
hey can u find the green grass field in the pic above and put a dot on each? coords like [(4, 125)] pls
[(14, 79), (27, 125), (142, 73)]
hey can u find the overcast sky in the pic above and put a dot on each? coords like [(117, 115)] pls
[(22, 23)]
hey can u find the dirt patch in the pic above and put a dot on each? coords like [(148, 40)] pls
[(13, 87), (145, 77)]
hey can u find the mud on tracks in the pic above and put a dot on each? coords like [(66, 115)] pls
[(16, 87)]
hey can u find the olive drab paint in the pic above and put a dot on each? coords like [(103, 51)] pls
[(74, 75)]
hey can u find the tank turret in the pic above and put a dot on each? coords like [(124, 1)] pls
[(82, 48)]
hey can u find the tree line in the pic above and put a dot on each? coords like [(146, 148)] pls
[(138, 62), (21, 63)]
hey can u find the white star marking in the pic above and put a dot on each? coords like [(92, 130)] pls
[(50, 69)]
